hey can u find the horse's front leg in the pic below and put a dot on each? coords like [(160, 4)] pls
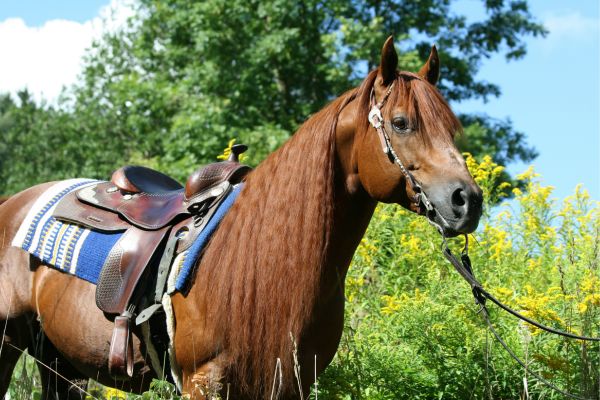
[(203, 369), (205, 381)]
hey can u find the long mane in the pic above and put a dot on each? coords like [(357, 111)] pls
[(262, 268)]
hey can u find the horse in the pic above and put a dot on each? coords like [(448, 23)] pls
[(265, 310)]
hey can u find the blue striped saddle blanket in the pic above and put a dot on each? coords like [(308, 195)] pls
[(82, 252)]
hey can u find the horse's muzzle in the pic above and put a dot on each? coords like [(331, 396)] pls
[(457, 207)]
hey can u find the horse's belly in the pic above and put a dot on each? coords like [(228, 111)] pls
[(77, 328)]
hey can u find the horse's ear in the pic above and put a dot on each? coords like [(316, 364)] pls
[(431, 69), (389, 61)]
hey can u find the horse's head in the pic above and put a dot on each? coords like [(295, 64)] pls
[(413, 151)]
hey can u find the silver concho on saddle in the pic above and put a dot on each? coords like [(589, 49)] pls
[(158, 219)]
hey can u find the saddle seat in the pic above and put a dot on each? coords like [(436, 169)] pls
[(136, 179)]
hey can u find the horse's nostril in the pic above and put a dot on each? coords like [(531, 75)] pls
[(458, 198)]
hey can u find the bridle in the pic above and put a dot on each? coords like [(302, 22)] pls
[(462, 266), (376, 120)]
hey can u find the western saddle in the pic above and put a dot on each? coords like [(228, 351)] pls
[(158, 219)]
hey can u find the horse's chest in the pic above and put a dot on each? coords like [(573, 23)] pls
[(324, 334)]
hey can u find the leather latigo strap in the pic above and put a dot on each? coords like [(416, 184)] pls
[(124, 266), (120, 356)]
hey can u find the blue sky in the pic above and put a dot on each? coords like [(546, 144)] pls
[(37, 12), (553, 94)]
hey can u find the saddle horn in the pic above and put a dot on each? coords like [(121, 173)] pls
[(236, 150)]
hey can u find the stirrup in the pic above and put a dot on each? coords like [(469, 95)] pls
[(120, 356)]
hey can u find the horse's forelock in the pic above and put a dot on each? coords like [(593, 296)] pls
[(427, 109), (425, 106)]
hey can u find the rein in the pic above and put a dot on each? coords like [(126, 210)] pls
[(462, 266)]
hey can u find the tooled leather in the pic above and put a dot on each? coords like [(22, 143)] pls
[(212, 174), (110, 280), (133, 252)]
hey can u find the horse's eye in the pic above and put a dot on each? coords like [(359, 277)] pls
[(400, 124)]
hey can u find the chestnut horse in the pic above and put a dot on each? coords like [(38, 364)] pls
[(271, 282)]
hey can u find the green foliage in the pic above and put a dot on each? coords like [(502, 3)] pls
[(412, 331), (171, 88), (43, 143), (25, 383)]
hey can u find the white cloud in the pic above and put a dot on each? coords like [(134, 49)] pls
[(571, 25), (46, 58)]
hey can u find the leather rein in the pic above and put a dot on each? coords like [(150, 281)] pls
[(462, 266)]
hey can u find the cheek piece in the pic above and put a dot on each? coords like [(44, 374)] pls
[(420, 198)]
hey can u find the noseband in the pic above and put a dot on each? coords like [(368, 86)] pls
[(376, 120)]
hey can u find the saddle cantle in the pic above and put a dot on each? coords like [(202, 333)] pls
[(159, 219)]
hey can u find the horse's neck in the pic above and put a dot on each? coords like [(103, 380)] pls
[(253, 306), (352, 215)]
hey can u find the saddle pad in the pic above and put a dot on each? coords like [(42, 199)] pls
[(81, 251), (67, 247)]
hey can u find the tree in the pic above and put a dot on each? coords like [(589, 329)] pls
[(184, 77)]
